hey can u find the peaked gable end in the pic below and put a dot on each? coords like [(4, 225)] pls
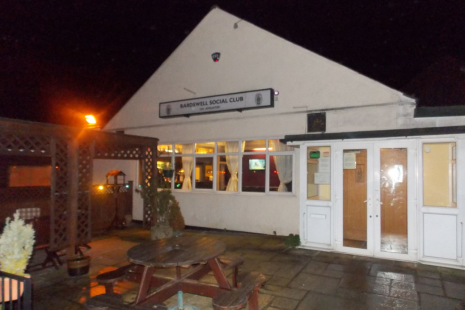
[(250, 58)]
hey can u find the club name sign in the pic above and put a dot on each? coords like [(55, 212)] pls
[(255, 99)]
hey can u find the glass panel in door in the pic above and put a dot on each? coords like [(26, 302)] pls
[(355, 198), (393, 200)]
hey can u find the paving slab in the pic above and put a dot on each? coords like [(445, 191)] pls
[(281, 291), (284, 303), (315, 301), (432, 302), (454, 290), (315, 283)]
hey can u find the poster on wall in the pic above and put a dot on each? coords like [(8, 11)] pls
[(322, 178), (256, 99), (324, 164), (350, 161)]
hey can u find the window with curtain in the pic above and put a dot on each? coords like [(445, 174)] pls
[(281, 167), (231, 166), (204, 172), (254, 166), (228, 166), (184, 166)]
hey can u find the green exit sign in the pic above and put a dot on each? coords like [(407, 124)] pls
[(315, 154)]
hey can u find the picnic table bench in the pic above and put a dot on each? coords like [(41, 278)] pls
[(246, 293), (110, 278), (199, 255)]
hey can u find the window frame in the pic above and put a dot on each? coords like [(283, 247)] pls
[(421, 165), (240, 155)]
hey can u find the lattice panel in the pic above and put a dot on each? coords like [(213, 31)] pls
[(85, 181), (24, 145), (147, 177), (24, 193), (4, 175), (115, 151), (59, 235)]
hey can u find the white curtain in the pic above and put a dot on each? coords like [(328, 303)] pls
[(283, 164), (187, 165), (233, 165)]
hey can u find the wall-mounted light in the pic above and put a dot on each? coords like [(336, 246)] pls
[(91, 121), (276, 92)]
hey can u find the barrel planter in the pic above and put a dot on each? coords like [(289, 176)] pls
[(78, 266)]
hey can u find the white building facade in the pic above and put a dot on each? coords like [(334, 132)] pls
[(264, 136)]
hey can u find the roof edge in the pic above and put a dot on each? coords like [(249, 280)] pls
[(412, 132), (444, 111)]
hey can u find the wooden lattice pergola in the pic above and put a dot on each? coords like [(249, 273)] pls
[(71, 151)]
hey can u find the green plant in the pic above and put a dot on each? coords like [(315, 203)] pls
[(164, 207), (292, 241), (16, 245)]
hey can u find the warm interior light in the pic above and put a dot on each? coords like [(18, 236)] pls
[(100, 187), (262, 149), (91, 119)]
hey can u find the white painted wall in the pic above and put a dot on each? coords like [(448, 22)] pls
[(131, 169), (252, 59), (241, 212)]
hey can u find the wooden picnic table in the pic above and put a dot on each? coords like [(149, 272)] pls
[(198, 252)]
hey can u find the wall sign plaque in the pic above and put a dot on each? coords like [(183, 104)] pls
[(255, 99), (316, 122)]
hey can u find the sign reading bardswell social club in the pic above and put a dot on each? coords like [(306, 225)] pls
[(256, 99)]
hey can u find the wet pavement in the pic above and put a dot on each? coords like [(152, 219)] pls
[(296, 278)]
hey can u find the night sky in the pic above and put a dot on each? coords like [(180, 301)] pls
[(63, 59)]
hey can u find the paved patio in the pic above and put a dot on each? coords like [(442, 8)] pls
[(296, 278)]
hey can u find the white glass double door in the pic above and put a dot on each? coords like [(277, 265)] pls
[(375, 199)]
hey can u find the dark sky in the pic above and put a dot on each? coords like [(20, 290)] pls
[(63, 59)]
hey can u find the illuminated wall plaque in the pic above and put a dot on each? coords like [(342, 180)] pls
[(255, 99)]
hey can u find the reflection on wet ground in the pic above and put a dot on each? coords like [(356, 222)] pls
[(296, 278)]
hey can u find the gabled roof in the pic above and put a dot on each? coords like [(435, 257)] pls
[(251, 59)]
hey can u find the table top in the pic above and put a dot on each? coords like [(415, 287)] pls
[(176, 251)]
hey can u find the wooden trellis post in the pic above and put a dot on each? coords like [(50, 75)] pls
[(73, 186)]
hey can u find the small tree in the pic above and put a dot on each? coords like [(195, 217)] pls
[(164, 208)]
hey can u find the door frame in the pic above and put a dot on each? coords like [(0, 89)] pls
[(411, 147), (339, 192), (458, 212), (416, 212), (373, 198)]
